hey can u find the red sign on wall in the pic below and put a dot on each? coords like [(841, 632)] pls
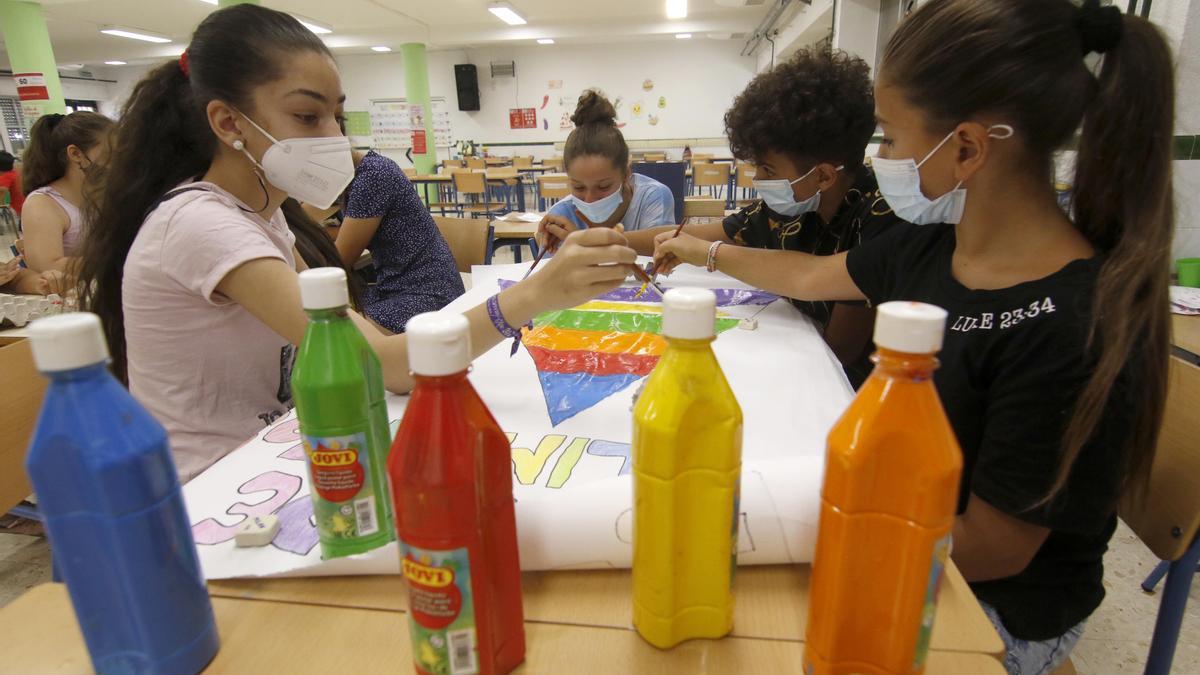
[(522, 118), (31, 87), (418, 142)]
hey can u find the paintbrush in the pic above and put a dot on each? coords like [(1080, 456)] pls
[(650, 268)]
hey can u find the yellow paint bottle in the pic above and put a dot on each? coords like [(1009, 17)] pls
[(687, 460)]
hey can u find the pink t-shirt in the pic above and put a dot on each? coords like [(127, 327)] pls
[(207, 369), (73, 235)]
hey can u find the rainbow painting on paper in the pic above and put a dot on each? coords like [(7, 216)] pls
[(585, 354)]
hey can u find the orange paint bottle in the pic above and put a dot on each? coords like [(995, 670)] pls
[(887, 507)]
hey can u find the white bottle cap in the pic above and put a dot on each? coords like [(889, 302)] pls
[(910, 327), (439, 343), (689, 313), (67, 342), (324, 288)]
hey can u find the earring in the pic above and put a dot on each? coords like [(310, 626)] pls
[(239, 145)]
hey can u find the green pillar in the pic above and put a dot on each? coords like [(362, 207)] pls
[(416, 91), (230, 3), (28, 44)]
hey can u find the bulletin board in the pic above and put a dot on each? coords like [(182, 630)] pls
[(391, 123)]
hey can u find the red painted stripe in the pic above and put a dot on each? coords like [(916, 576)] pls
[(597, 363)]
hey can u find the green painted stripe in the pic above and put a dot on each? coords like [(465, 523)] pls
[(613, 322)]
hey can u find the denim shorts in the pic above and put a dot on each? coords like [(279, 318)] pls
[(1024, 657)]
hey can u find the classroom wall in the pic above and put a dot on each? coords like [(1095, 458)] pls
[(76, 89), (698, 79), (1187, 123)]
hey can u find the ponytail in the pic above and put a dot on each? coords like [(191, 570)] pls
[(164, 139), (596, 132), (1123, 203), (1023, 62), (45, 160)]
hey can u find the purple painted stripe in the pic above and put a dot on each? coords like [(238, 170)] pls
[(726, 297)]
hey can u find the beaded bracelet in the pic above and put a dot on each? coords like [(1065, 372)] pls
[(711, 265)]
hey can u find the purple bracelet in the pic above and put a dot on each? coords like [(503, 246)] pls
[(502, 325)]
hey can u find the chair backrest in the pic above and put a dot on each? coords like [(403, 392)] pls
[(702, 156), (20, 402), (448, 164), (467, 237), (476, 163), (703, 206), (671, 174), (553, 186), (710, 174), (745, 175), (1168, 517), (656, 157), (502, 172), (410, 173), (522, 162), (555, 163), (469, 182)]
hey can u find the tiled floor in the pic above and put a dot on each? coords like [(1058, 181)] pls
[(1115, 643)]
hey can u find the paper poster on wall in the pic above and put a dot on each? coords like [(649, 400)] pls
[(393, 121), (545, 100), (33, 94), (554, 84), (647, 85), (418, 142), (636, 109), (653, 120), (662, 102), (522, 118), (571, 478), (564, 122)]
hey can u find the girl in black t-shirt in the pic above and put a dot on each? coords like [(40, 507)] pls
[(1055, 358)]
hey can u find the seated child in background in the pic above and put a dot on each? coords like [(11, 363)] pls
[(805, 125)]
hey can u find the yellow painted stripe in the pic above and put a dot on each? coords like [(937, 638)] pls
[(606, 306)]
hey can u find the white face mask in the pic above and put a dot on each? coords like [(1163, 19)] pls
[(602, 209), (900, 184), (312, 170), (778, 195)]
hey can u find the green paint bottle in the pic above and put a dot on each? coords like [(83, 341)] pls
[(337, 384)]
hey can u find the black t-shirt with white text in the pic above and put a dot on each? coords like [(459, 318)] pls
[(1013, 363)]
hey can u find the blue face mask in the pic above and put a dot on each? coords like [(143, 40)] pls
[(602, 209), (779, 197)]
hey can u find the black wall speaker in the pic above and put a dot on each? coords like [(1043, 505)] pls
[(467, 81)]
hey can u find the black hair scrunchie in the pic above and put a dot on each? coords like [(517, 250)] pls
[(1099, 27)]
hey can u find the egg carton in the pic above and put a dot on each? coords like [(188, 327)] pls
[(19, 310)]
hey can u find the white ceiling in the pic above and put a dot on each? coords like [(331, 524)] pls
[(360, 24)]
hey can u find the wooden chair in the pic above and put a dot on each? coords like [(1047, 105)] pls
[(714, 176), (469, 240), (20, 403), (472, 185), (522, 162), (702, 157), (476, 163), (655, 157), (745, 180), (1167, 519), (552, 187), (410, 173), (554, 163), (696, 208), (451, 164)]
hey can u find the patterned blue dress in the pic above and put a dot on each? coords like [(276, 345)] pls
[(414, 268)]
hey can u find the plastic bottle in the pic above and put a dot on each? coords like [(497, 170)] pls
[(887, 508), (337, 385), (451, 471), (687, 457), (119, 532)]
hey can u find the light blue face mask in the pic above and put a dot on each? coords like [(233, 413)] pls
[(779, 197), (602, 209), (900, 184)]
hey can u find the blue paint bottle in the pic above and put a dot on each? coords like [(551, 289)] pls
[(106, 485)]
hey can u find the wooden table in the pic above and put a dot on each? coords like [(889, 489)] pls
[(772, 601), (282, 637), (507, 229), (1185, 333)]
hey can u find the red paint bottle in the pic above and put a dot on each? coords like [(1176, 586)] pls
[(451, 473)]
